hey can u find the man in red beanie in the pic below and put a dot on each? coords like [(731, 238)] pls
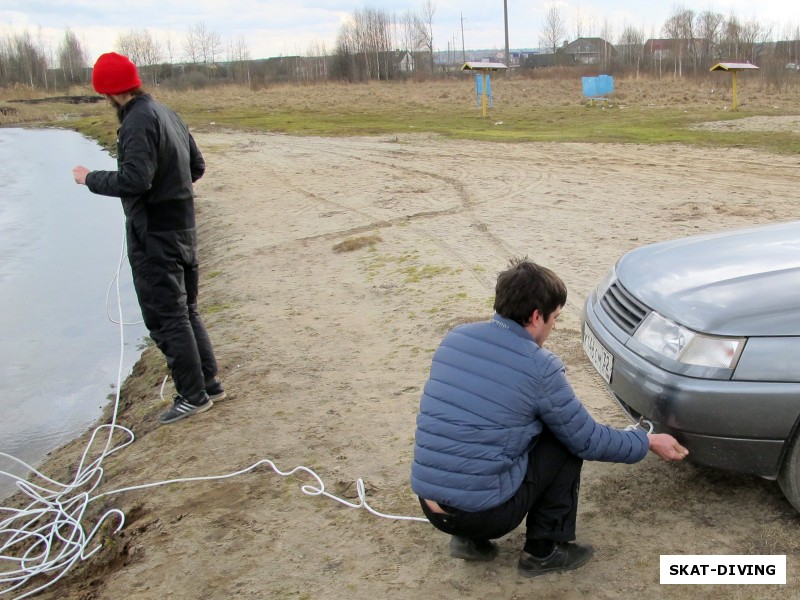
[(157, 163)]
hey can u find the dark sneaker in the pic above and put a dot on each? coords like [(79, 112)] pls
[(564, 557), (469, 549), (215, 390), (182, 408)]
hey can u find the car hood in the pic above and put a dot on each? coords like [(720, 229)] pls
[(741, 283)]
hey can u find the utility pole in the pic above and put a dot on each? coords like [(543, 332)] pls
[(463, 49), (505, 15)]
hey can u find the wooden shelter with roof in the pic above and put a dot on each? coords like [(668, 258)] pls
[(484, 68), (734, 69)]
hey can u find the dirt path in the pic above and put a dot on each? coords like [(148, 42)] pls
[(325, 353)]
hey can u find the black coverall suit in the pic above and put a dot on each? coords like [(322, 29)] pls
[(157, 162)]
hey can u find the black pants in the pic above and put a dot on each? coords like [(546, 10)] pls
[(166, 279), (547, 499)]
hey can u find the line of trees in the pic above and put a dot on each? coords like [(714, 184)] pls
[(28, 60), (688, 42), (369, 44), (374, 44)]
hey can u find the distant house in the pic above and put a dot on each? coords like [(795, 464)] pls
[(539, 61), (789, 50), (661, 49), (589, 51), (515, 57), (406, 63)]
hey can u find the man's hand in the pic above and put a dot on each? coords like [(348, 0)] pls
[(79, 173), (666, 446)]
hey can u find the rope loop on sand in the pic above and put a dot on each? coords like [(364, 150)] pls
[(50, 535)]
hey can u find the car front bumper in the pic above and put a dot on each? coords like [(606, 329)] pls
[(734, 425)]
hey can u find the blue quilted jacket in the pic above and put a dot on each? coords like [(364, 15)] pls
[(491, 391)]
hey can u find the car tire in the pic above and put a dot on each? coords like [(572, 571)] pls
[(789, 474)]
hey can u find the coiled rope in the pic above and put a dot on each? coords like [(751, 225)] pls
[(50, 535)]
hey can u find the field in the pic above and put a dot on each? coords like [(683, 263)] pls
[(344, 229)]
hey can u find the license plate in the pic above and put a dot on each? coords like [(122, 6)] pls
[(599, 356)]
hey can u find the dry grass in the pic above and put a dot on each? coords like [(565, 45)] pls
[(353, 244), (642, 111), (754, 94)]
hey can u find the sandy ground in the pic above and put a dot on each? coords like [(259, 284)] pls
[(324, 354)]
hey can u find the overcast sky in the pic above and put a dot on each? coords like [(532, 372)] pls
[(281, 28)]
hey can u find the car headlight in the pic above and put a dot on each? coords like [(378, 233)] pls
[(679, 343)]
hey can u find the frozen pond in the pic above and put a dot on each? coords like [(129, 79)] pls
[(60, 248)]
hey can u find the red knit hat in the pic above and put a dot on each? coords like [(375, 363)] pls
[(114, 74)]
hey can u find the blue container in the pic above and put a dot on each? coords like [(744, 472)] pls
[(597, 87)]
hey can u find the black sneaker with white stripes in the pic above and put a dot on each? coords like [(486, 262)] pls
[(182, 408), (215, 390)]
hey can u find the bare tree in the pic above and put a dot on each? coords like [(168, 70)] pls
[(425, 29), (143, 49), (631, 44), (360, 32), (708, 27), (379, 39), (23, 60), (553, 28), (213, 47), (239, 59), (743, 41), (368, 36), (606, 34), (169, 49), (405, 32), (345, 63), (317, 62), (192, 46), (579, 22), (202, 45), (72, 59), (679, 27)]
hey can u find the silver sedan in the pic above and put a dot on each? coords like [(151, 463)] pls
[(701, 336)]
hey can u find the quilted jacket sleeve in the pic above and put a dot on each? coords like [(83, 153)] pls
[(197, 163), (571, 423), (137, 159)]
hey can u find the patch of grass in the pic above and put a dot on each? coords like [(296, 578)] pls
[(646, 111), (101, 127), (643, 110), (215, 308), (353, 244), (414, 274), (214, 274)]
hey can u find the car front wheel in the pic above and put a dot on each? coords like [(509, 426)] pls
[(789, 475)]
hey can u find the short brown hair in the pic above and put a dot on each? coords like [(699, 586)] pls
[(525, 287)]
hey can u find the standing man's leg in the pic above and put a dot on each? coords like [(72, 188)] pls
[(208, 361), (161, 291)]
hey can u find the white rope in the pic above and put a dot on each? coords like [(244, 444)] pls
[(48, 536), (116, 281)]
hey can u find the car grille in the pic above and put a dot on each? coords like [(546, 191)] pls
[(627, 312)]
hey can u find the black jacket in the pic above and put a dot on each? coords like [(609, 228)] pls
[(157, 162)]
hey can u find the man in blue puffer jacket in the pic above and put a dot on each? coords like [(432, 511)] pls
[(501, 436)]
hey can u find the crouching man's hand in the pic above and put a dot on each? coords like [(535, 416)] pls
[(666, 446)]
